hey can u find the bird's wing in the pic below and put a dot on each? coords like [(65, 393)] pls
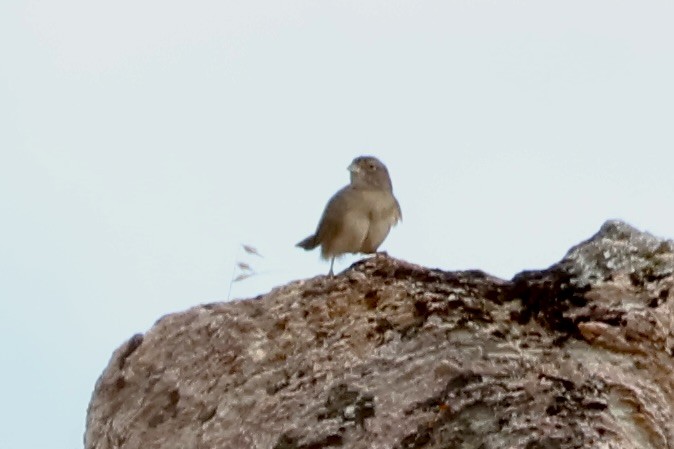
[(399, 211), (332, 219)]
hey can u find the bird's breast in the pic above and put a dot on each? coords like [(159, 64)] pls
[(379, 205)]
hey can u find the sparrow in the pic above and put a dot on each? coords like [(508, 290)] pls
[(358, 217)]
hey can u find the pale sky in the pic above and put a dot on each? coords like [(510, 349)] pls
[(143, 141)]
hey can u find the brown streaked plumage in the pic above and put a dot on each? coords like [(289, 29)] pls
[(357, 218)]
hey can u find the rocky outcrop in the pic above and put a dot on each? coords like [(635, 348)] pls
[(393, 355)]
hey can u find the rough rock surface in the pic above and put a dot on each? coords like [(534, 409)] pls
[(394, 355)]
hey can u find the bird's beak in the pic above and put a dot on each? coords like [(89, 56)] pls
[(353, 168)]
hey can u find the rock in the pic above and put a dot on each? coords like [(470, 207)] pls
[(393, 355)]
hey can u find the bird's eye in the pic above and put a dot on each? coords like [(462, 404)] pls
[(373, 167)]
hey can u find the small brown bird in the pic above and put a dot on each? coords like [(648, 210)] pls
[(357, 218)]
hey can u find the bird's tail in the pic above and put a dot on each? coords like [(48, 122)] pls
[(308, 243)]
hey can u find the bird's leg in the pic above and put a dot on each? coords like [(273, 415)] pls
[(332, 262)]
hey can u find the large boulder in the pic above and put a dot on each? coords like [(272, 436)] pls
[(393, 355)]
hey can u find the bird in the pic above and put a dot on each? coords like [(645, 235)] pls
[(359, 216)]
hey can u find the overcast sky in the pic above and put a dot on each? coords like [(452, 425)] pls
[(142, 142)]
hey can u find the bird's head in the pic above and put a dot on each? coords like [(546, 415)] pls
[(369, 172)]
